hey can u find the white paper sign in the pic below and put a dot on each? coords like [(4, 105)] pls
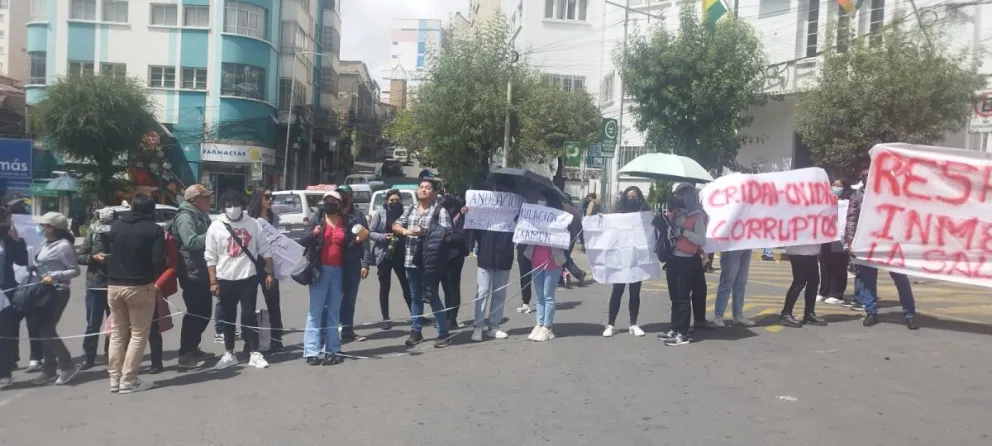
[(842, 206), (778, 209), (927, 212), (620, 247), (287, 255), (543, 226), (492, 211)]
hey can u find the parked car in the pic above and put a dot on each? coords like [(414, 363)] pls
[(163, 213), (390, 168), (358, 178), (296, 208), (402, 156)]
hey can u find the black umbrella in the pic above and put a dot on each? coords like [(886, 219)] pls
[(524, 182)]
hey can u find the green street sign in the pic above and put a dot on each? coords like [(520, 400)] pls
[(573, 154), (608, 137)]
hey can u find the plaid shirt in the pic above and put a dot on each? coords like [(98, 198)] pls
[(413, 218)]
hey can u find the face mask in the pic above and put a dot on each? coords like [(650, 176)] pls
[(40, 230), (331, 208), (233, 212), (395, 206), (634, 202), (836, 190)]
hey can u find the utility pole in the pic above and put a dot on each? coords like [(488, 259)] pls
[(509, 104)]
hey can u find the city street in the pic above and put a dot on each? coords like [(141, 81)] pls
[(766, 385)]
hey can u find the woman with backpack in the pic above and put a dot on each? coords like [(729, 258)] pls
[(632, 200), (684, 270)]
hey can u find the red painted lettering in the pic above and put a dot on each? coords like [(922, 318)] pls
[(890, 211)]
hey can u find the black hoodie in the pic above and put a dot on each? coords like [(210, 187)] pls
[(137, 251)]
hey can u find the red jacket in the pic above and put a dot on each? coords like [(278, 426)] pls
[(167, 281)]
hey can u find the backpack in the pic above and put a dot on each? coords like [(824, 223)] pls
[(664, 247)]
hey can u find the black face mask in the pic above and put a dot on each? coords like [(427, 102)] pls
[(394, 207), (332, 208), (634, 203)]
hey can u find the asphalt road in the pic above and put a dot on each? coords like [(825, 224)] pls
[(841, 384)]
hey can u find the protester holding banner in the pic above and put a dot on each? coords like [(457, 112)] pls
[(833, 257), (548, 262), (684, 271), (387, 252), (495, 260), (631, 201), (805, 274), (13, 251), (260, 207)]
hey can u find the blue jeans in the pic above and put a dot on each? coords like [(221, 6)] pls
[(420, 287), (352, 278), (767, 252), (868, 277), (325, 303), (734, 268), (96, 309), (545, 285), (491, 290)]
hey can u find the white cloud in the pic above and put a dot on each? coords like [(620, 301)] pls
[(365, 33)]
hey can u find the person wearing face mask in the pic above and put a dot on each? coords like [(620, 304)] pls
[(189, 229), (495, 260), (684, 271), (260, 206), (451, 283), (93, 255), (234, 245), (548, 263), (356, 265), (13, 251), (631, 201), (833, 259), (387, 252)]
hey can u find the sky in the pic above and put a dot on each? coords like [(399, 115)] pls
[(366, 27)]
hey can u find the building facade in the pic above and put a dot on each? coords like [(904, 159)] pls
[(219, 71), (412, 41), (13, 39), (358, 99)]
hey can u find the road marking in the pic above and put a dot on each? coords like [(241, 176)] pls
[(14, 397)]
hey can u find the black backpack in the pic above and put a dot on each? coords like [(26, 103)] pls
[(664, 247)]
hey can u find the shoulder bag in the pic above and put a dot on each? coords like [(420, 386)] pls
[(258, 261)]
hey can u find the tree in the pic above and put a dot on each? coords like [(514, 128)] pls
[(892, 87), (403, 130), (693, 89), (99, 120)]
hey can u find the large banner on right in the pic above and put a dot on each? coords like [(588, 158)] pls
[(927, 212)]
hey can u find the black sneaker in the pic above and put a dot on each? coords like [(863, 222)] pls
[(813, 319), (332, 359), (155, 369), (911, 323), (848, 303), (414, 339), (189, 361), (870, 319), (387, 324), (666, 335), (44, 379), (66, 376), (678, 339), (787, 320), (87, 364), (442, 341), (857, 306), (313, 360)]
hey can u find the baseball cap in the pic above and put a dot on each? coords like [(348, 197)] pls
[(53, 219), (332, 193), (346, 189), (197, 190)]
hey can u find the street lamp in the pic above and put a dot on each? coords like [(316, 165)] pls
[(289, 115)]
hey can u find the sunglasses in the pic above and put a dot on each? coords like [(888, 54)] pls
[(267, 196)]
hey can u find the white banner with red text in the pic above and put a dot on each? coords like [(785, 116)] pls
[(927, 212), (769, 210)]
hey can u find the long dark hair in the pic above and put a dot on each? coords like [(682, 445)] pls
[(64, 234), (625, 205), (255, 205)]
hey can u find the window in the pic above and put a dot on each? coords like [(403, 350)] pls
[(82, 9), (330, 39), (843, 29), (566, 82), (117, 70), (115, 11), (606, 91), (243, 81), (288, 86), (162, 77), (812, 26), (4, 4), (245, 19), (194, 78), (164, 15), (876, 19), (565, 9), (38, 71), (196, 16), (39, 10), (78, 68)]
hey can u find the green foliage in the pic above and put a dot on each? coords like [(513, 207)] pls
[(660, 193), (893, 87), (693, 89), (98, 120), (403, 130), (549, 117)]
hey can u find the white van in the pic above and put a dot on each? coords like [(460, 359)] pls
[(402, 156), (379, 199), (295, 209), (362, 194)]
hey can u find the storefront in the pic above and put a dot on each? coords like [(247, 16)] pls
[(226, 167)]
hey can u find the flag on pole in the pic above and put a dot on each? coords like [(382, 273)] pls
[(714, 9), (848, 5)]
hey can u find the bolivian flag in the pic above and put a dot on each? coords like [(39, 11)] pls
[(848, 5), (713, 10)]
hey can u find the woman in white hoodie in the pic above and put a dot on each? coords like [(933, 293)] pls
[(234, 274)]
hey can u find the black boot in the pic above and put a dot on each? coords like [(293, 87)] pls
[(788, 321), (911, 323), (870, 319), (813, 319)]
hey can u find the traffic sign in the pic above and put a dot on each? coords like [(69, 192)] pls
[(608, 137), (981, 115)]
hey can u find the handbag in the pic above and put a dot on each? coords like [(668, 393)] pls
[(32, 296), (311, 273), (259, 263)]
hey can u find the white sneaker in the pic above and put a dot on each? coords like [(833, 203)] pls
[(497, 333), (477, 334), (636, 331), (534, 332), (608, 332), (134, 386), (5, 383), (819, 298), (744, 320), (833, 301), (523, 308), (257, 361), (226, 361), (548, 334), (33, 366), (718, 322)]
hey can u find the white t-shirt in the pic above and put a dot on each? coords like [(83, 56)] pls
[(223, 252), (802, 250)]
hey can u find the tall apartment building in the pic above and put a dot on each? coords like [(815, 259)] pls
[(221, 73), (412, 40), (13, 39)]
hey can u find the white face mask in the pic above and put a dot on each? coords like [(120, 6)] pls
[(233, 213)]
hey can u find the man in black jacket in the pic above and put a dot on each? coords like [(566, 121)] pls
[(92, 254), (135, 259)]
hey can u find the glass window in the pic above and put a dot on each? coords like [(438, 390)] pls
[(4, 4), (115, 11), (565, 9), (39, 10), (114, 69), (78, 68), (164, 15), (162, 77), (812, 26), (194, 78), (245, 19), (82, 9), (196, 16), (243, 81), (843, 29), (876, 19), (38, 71)]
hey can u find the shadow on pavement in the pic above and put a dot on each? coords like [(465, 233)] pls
[(199, 376), (565, 329), (565, 306), (932, 322)]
